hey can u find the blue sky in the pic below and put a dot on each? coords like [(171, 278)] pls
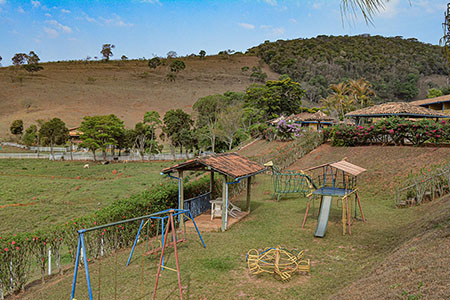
[(75, 29)]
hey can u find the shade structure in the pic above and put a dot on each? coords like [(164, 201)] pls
[(230, 165)]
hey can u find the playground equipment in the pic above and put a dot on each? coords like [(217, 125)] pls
[(278, 261), (333, 187), (165, 216), (289, 182)]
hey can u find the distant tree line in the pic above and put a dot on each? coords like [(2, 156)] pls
[(393, 65)]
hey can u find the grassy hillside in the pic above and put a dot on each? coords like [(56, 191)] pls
[(337, 261), (394, 65), (72, 90)]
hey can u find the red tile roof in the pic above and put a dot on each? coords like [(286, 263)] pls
[(441, 99), (230, 164), (342, 165)]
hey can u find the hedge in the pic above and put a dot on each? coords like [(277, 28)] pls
[(393, 130), (20, 252)]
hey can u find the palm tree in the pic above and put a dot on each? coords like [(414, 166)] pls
[(361, 91), (339, 99), (367, 7)]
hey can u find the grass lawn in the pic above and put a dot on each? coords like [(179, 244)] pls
[(219, 271), (43, 192)]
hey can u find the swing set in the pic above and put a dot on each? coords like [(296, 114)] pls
[(168, 221)]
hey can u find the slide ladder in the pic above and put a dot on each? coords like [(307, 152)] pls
[(323, 216)]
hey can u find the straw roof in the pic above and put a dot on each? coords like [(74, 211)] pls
[(319, 116), (396, 109), (230, 164), (436, 100)]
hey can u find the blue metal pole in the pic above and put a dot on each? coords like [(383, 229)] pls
[(88, 279), (196, 228), (77, 262), (135, 241), (162, 241)]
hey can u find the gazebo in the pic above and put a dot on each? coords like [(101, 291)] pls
[(400, 109), (233, 168)]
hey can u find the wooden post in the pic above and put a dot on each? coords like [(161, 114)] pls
[(249, 184), (211, 184), (181, 194), (224, 203)]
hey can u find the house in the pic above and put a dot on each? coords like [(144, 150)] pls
[(441, 103)]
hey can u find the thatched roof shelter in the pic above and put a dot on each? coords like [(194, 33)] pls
[(402, 109)]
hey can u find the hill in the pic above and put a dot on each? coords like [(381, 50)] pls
[(72, 90), (397, 67)]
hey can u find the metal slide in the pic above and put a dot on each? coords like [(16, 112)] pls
[(323, 216)]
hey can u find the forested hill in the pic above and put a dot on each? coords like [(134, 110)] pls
[(392, 64)]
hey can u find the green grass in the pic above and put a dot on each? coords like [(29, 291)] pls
[(219, 271), (54, 192)]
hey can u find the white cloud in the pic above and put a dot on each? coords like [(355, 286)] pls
[(48, 15), (65, 11), (390, 9), (317, 5), (293, 21), (151, 2), (271, 2), (20, 10), (35, 3), (116, 21), (89, 19), (247, 26), (60, 26), (51, 33), (37, 41), (272, 31), (2, 2)]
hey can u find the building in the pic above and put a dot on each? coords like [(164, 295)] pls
[(441, 103)]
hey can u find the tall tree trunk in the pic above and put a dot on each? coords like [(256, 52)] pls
[(71, 150), (104, 154), (51, 149), (93, 152), (213, 144), (231, 143)]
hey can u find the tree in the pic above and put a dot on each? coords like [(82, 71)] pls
[(54, 132), (1, 58), (124, 57), (208, 109), (30, 136), (275, 98), (145, 134), (229, 123), (107, 51), (177, 65), (101, 132), (339, 100), (171, 54), (16, 127), (154, 62), (202, 54), (433, 93), (175, 120), (19, 59), (361, 91)]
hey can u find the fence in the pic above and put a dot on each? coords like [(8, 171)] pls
[(198, 205), (24, 155), (424, 187)]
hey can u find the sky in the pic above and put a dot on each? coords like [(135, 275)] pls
[(76, 29)]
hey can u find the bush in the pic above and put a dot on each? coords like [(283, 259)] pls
[(392, 130)]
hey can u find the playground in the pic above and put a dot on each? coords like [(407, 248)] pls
[(219, 271)]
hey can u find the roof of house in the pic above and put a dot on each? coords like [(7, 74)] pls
[(230, 164), (396, 109), (342, 165), (436, 100)]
